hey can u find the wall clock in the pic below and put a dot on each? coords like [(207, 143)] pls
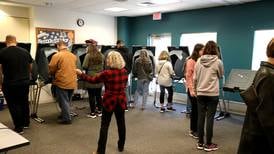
[(80, 22)]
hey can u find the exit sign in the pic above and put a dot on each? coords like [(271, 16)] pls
[(157, 16)]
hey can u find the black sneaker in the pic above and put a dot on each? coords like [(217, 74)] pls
[(99, 113), (170, 109), (162, 110), (193, 134), (59, 117), (120, 147), (19, 130), (210, 147), (65, 122), (200, 146)]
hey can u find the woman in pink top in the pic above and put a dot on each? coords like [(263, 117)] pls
[(190, 64)]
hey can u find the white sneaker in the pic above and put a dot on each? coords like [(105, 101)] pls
[(131, 105), (91, 115)]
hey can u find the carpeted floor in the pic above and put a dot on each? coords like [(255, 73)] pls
[(148, 132)]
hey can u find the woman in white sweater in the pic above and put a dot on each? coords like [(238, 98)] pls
[(165, 72)]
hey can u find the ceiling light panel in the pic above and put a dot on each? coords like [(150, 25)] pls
[(115, 9)]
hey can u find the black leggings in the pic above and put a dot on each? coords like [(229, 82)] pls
[(105, 121), (162, 94), (207, 106), (95, 93)]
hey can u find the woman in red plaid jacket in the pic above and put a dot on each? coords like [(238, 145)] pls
[(114, 99)]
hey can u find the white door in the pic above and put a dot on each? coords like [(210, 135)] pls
[(161, 42)]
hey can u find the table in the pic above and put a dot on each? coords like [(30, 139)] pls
[(10, 140)]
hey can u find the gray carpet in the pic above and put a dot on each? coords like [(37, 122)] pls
[(148, 132)]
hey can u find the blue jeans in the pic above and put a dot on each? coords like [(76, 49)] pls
[(127, 90), (188, 105), (64, 97), (207, 106), (141, 90)]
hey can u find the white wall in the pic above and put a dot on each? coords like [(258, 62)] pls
[(14, 21), (99, 27)]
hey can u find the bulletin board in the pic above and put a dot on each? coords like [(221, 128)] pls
[(52, 35)]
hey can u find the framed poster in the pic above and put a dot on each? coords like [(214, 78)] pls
[(52, 35)]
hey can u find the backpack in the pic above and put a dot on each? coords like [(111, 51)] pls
[(184, 68), (178, 68)]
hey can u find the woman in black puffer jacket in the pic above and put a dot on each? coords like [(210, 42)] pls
[(258, 129)]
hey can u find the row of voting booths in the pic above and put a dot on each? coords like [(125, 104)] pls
[(178, 56), (44, 53)]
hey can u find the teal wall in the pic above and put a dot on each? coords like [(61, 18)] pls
[(123, 29), (235, 26)]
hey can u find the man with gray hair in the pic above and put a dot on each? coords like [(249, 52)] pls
[(15, 66), (62, 67)]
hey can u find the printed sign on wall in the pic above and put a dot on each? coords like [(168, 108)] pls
[(51, 35)]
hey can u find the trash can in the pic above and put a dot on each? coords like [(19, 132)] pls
[(1, 100)]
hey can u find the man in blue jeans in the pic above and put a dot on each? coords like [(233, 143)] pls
[(62, 67)]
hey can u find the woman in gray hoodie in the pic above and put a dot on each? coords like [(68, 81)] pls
[(208, 70)]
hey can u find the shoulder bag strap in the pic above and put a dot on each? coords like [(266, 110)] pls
[(161, 68)]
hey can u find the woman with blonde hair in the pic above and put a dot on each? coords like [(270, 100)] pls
[(93, 64), (114, 99), (165, 72)]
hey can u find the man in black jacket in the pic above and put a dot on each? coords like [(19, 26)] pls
[(126, 55), (127, 58)]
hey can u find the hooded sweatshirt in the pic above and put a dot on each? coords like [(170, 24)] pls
[(208, 70)]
